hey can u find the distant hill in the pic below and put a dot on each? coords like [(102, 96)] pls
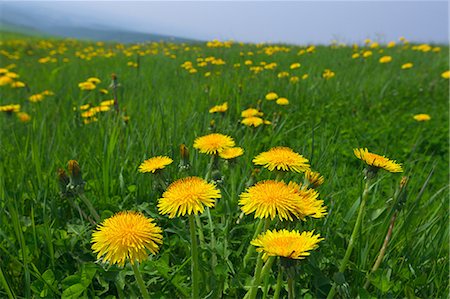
[(16, 20)]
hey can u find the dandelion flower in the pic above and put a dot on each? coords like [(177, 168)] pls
[(314, 178), (328, 74), (126, 236), (213, 144), (36, 98), (252, 121), (294, 66), (284, 243), (422, 117), (269, 199), (446, 75), (154, 164), (107, 103), (4, 80), (377, 161), (271, 96), (385, 59), (219, 108), (188, 195), (282, 101), (407, 65), (94, 80), (10, 108), (86, 86), (251, 112), (282, 158), (23, 117), (17, 84), (231, 153), (311, 205)]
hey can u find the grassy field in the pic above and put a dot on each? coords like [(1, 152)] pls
[(164, 92)]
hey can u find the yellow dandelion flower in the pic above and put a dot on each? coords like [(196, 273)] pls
[(23, 117), (126, 236), (282, 158), (282, 101), (188, 195), (231, 153), (422, 117), (294, 79), (36, 98), (48, 93), (328, 74), (107, 103), (17, 84), (93, 80), (12, 75), (446, 75), (271, 96), (269, 199), (367, 54), (10, 108), (314, 178), (85, 106), (251, 112), (377, 161), (407, 65), (87, 121), (86, 86), (391, 44), (213, 144), (154, 164), (284, 243), (310, 204), (3, 71), (294, 66), (385, 59), (305, 76), (103, 91), (252, 121), (219, 108), (90, 113), (355, 55), (5, 80)]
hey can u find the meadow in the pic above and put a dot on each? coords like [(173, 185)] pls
[(91, 113)]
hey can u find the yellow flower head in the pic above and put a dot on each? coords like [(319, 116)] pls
[(4, 80), (17, 84), (385, 59), (407, 65), (252, 121), (269, 199), (86, 85), (36, 98), (295, 66), (282, 101), (154, 164), (219, 108), (282, 158), (328, 74), (23, 117), (94, 80), (271, 96), (251, 112), (188, 195), (107, 103), (422, 117), (446, 75), (10, 108), (213, 144), (284, 243), (126, 236), (231, 153), (314, 178), (310, 204), (377, 161)]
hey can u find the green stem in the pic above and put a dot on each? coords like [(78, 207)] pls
[(194, 259), (213, 239), (355, 232), (140, 281), (264, 273), (276, 295), (291, 294), (251, 248), (200, 230), (90, 207), (5, 285)]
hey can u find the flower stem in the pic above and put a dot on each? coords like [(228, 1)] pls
[(251, 248), (140, 281), (355, 232), (194, 259), (90, 207), (276, 295), (291, 293), (265, 269), (213, 238), (200, 230)]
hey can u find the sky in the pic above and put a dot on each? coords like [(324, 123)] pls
[(296, 22)]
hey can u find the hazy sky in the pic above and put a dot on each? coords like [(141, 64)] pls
[(264, 21)]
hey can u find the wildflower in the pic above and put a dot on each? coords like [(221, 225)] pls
[(422, 117), (385, 59), (283, 75), (406, 66), (36, 98), (328, 74), (154, 164), (23, 117), (89, 113), (10, 108), (282, 101), (12, 75), (446, 75), (188, 195), (219, 108), (310, 204), (126, 236), (391, 44), (5, 80), (269, 199), (282, 158), (295, 66), (271, 96), (314, 178), (107, 103), (305, 76), (367, 54), (355, 55), (48, 93), (17, 84), (251, 112), (284, 243), (86, 86), (85, 106), (213, 144), (377, 161), (94, 80), (231, 153), (252, 121), (103, 91), (294, 79)]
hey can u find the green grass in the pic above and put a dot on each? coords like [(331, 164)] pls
[(45, 244)]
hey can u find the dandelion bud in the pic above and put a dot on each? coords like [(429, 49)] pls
[(403, 182), (63, 181), (314, 178), (184, 158), (76, 179)]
